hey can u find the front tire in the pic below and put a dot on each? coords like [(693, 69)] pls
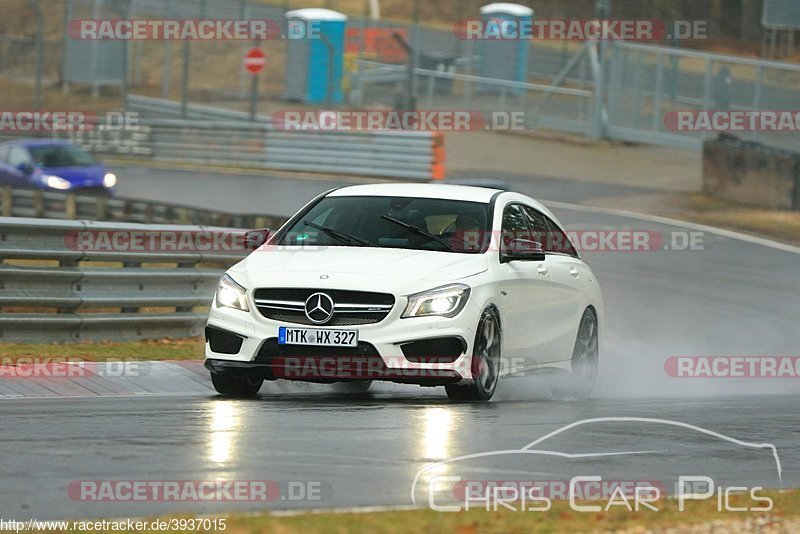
[(236, 383), (485, 362)]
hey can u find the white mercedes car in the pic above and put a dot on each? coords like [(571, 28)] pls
[(429, 284)]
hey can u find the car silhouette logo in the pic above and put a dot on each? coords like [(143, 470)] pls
[(319, 308)]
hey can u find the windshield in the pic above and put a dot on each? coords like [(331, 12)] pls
[(392, 222), (61, 156)]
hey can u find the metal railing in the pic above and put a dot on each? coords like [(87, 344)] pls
[(549, 106), (412, 155), (163, 108), (646, 82), (17, 202), (75, 280)]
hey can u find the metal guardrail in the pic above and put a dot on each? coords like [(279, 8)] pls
[(16, 202), (54, 286), (161, 108), (413, 155)]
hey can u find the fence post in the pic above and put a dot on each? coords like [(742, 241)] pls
[(37, 11), (657, 122)]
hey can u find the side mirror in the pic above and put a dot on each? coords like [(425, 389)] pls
[(25, 168), (253, 239), (522, 250)]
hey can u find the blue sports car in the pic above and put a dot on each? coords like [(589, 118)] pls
[(53, 164)]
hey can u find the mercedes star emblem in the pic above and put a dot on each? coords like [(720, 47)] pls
[(319, 308)]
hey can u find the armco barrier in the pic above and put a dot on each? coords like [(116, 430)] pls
[(751, 173), (19, 202), (224, 137), (387, 153), (53, 288)]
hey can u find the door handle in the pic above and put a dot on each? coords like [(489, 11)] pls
[(573, 271), (541, 269)]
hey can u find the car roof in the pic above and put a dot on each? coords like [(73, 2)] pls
[(466, 193), (443, 191)]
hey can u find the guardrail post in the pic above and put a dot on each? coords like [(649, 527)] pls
[(69, 264), (7, 200), (70, 207), (186, 265), (183, 215), (100, 210), (131, 265), (38, 204)]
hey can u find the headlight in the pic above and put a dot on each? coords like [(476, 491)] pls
[(109, 180), (57, 182), (231, 295), (445, 301)]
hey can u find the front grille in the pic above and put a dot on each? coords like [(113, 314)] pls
[(350, 307)]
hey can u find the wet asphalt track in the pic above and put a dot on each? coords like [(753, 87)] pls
[(734, 298)]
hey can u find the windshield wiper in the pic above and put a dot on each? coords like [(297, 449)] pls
[(347, 238), (419, 231)]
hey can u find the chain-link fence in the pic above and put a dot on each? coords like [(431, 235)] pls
[(556, 85), (18, 59), (649, 85)]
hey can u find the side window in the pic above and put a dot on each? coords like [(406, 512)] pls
[(559, 241), (18, 155), (538, 224), (514, 225)]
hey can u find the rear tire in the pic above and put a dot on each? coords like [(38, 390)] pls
[(485, 362), (580, 381), (236, 383)]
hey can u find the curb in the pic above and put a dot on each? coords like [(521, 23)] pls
[(105, 379)]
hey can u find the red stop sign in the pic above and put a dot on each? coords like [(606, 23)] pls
[(254, 60)]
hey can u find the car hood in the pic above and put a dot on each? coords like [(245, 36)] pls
[(361, 266), (78, 176)]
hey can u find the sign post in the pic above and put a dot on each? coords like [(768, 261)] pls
[(254, 62)]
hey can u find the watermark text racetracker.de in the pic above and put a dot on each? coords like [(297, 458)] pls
[(502, 29), (182, 524), (593, 240), (232, 241), (733, 121), (447, 120), (733, 366), (54, 368), (199, 490), (66, 120), (191, 29), (157, 241)]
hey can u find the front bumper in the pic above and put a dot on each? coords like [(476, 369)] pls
[(386, 349)]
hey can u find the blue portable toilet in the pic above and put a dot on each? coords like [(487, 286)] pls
[(505, 59), (314, 55)]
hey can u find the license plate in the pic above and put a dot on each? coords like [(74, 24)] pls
[(317, 336)]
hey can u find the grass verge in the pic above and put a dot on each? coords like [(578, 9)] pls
[(774, 224), (701, 516), (162, 349)]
